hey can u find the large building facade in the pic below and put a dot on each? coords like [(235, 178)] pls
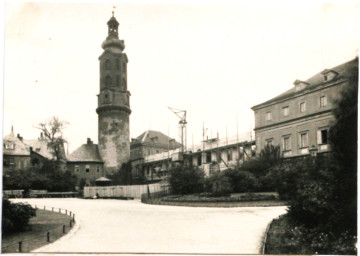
[(113, 102), (299, 119)]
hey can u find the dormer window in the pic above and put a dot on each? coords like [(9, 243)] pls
[(9, 146), (329, 74), (299, 85)]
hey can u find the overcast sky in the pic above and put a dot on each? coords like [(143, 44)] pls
[(214, 60)]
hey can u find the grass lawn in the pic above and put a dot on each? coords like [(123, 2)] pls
[(235, 200), (221, 204), (36, 236)]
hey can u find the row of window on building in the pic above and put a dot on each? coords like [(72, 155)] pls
[(302, 108), (87, 169), (322, 138)]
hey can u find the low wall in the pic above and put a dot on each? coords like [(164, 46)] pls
[(134, 191)]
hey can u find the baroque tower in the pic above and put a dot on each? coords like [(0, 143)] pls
[(113, 101)]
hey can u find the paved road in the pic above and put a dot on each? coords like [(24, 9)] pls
[(133, 227)]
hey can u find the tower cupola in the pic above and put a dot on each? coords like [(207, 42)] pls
[(113, 25), (112, 40)]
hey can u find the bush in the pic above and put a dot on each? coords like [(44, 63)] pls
[(15, 216), (218, 184), (241, 181), (285, 237), (186, 180)]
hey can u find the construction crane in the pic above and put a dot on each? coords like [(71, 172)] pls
[(182, 126)]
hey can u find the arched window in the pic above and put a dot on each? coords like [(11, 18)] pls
[(117, 64), (124, 67), (107, 65), (117, 80), (108, 81)]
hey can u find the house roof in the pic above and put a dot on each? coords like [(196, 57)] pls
[(86, 153), (343, 71), (39, 146), (22, 146), (19, 148), (157, 138)]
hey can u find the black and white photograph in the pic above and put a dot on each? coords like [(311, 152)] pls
[(180, 127)]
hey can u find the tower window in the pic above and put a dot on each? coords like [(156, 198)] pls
[(107, 65), (117, 64), (124, 84), (87, 168), (124, 67), (117, 80), (108, 81)]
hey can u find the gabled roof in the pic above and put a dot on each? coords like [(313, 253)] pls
[(155, 138), (22, 146), (343, 71), (86, 153), (19, 148), (40, 146)]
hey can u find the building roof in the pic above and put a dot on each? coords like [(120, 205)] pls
[(88, 152), (155, 138), (14, 146), (39, 146), (341, 72)]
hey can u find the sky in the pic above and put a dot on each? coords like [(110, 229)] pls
[(215, 60)]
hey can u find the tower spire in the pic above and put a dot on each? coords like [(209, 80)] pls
[(113, 10)]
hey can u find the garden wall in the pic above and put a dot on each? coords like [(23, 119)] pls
[(134, 191)]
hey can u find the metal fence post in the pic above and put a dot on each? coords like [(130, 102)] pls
[(60, 210), (74, 217), (66, 212), (48, 236), (52, 209), (44, 207), (70, 214), (64, 229), (20, 246)]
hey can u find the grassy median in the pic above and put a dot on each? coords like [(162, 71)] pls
[(36, 234)]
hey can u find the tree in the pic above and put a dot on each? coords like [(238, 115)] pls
[(343, 138), (123, 176), (186, 180), (53, 133)]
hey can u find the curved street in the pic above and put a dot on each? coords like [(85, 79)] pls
[(132, 227)]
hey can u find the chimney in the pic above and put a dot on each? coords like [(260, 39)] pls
[(89, 141), (19, 137)]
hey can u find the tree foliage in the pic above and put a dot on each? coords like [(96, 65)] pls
[(53, 133), (15, 216), (218, 184), (322, 190), (186, 180), (48, 177)]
